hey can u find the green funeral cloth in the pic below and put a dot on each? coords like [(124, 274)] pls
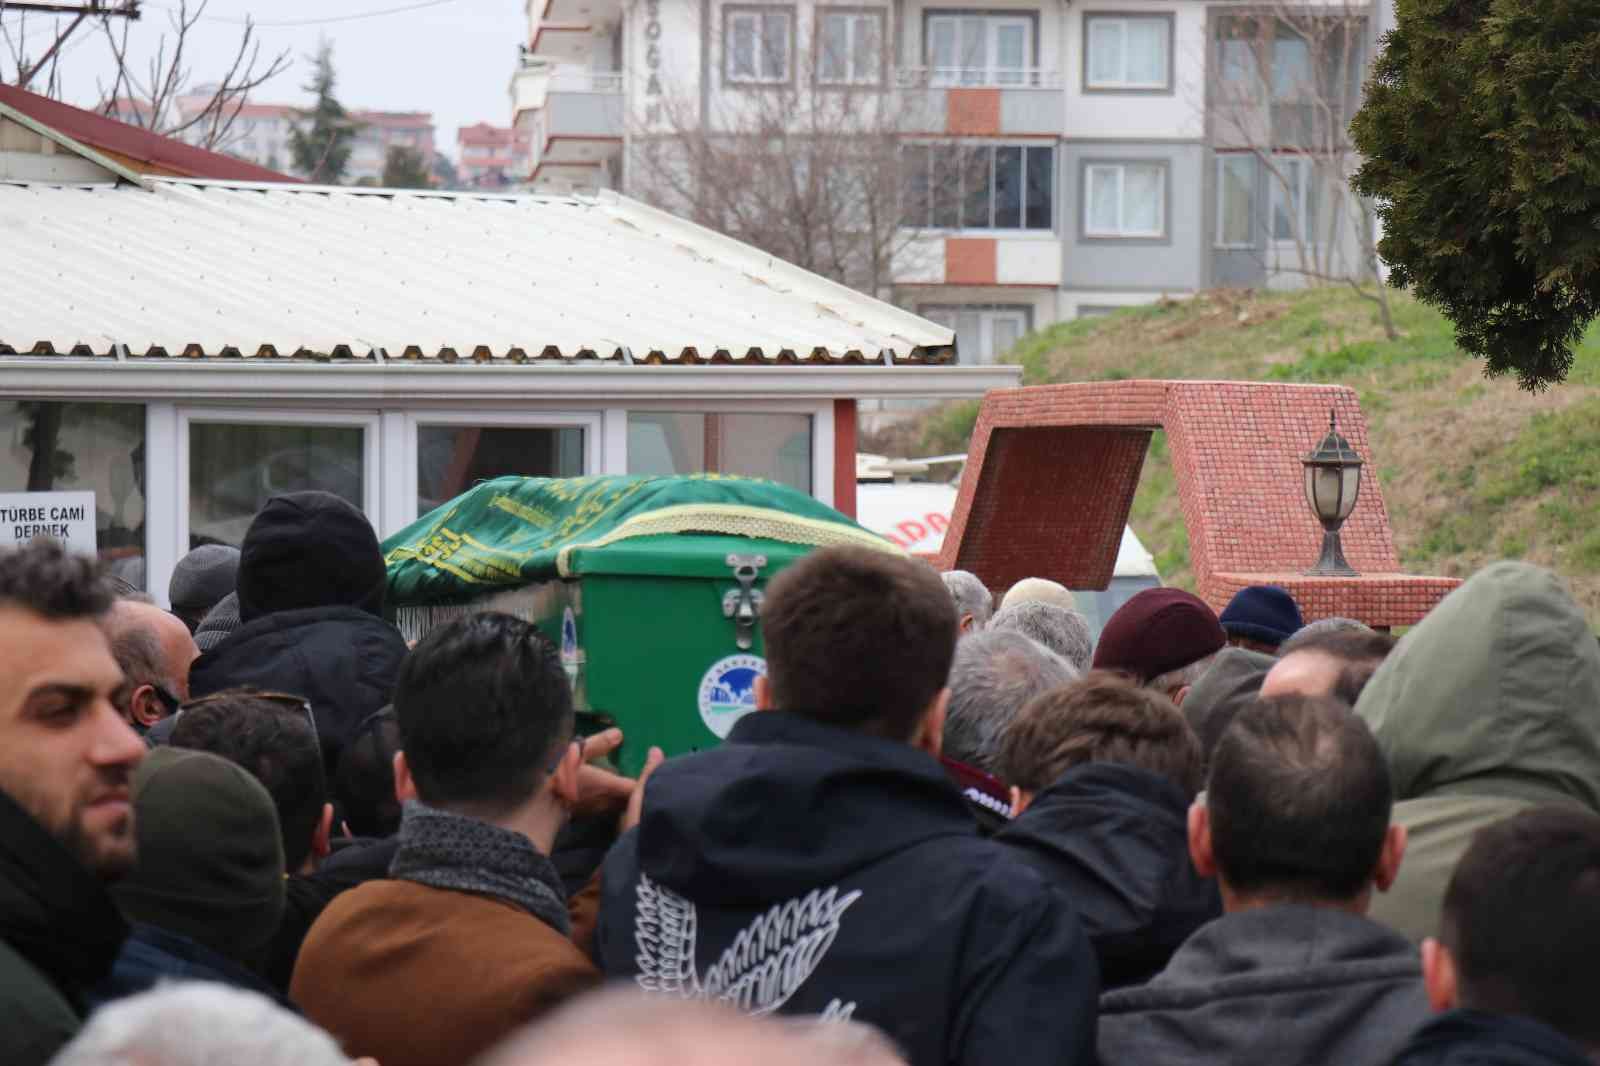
[(514, 531)]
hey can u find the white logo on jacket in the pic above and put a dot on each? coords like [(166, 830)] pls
[(760, 971)]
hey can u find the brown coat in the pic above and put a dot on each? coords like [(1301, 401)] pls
[(419, 976)]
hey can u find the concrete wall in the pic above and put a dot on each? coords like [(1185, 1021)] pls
[(1171, 263)]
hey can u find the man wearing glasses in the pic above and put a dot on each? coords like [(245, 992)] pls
[(154, 650)]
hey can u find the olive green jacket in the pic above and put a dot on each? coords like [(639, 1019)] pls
[(37, 1019), (1489, 706)]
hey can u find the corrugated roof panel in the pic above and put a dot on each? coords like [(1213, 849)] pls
[(214, 266)]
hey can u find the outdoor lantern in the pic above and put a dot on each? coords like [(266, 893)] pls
[(1333, 481)]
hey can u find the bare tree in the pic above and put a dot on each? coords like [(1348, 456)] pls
[(1285, 81), (809, 167), (160, 95)]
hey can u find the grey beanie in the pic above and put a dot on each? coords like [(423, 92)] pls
[(203, 577), (218, 623)]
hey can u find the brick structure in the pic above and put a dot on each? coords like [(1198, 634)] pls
[(1052, 470)]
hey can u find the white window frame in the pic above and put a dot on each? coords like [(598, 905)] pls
[(591, 422), (948, 315), (1219, 239), (989, 74), (1124, 84), (1304, 172), (372, 448), (853, 18), (757, 15), (1121, 170)]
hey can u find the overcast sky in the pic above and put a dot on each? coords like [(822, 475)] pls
[(451, 57)]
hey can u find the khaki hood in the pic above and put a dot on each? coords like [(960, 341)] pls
[(1496, 692)]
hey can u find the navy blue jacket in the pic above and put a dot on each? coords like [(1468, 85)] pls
[(1472, 1038), (809, 870), (151, 954), (1116, 839)]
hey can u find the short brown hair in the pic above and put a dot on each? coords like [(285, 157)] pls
[(1100, 718), (859, 639)]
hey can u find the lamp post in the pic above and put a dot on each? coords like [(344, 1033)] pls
[(1333, 481)]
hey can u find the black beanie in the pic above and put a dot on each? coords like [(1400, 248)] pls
[(309, 549)]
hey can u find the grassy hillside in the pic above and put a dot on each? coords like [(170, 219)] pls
[(1472, 470)]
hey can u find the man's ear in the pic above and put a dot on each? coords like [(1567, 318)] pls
[(1200, 850), (564, 778), (929, 736), (1180, 694), (763, 693), (1439, 975), (405, 789), (1020, 800), (145, 707), (1394, 850), (322, 839), (968, 624)]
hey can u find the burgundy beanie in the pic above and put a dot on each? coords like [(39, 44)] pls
[(1156, 631)]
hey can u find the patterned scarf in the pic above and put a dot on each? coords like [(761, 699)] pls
[(452, 851)]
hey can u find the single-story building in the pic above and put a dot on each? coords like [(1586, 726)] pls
[(184, 348)]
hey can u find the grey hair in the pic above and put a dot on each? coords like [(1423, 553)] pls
[(995, 674), (198, 1023), (1038, 590), (1061, 629), (972, 596), (1183, 675), (1313, 630), (138, 651)]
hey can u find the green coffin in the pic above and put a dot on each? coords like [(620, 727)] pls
[(651, 586)]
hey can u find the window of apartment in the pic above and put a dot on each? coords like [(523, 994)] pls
[(850, 47), (971, 49), (1127, 52), (979, 186), (1291, 65), (1236, 194), (773, 446), (84, 447), (1125, 200), (758, 45), (1294, 198), (984, 333)]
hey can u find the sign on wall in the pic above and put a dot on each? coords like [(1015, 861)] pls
[(67, 516)]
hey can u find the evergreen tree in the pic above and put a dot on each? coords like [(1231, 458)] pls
[(1481, 137), (404, 168), (322, 151)]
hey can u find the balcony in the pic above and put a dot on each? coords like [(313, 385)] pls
[(573, 117), (981, 101)]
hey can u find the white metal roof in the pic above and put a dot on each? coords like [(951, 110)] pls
[(216, 269)]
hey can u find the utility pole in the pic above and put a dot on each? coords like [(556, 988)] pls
[(127, 9)]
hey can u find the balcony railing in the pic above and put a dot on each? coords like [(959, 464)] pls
[(978, 78), (569, 80)]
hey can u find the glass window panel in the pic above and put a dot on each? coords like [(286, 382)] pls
[(1291, 66), (452, 459), (1010, 51), (1236, 176), (775, 47), (1142, 200), (84, 447), (1285, 199), (742, 30), (1008, 179), (916, 209), (868, 50), (834, 63), (1147, 51), (973, 59), (773, 446), (1041, 188), (1105, 51), (234, 468), (977, 184), (942, 45), (1103, 199), (947, 164), (1006, 330), (1238, 61)]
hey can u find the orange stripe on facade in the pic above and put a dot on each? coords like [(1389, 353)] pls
[(972, 112), (970, 260)]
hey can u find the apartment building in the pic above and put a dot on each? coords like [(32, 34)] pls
[(1057, 160), (491, 156), (381, 130)]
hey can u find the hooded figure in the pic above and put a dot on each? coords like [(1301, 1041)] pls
[(310, 593), (1490, 705)]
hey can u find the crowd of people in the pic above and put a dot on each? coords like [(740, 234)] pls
[(259, 828)]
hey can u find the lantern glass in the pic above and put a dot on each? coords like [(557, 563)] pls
[(1323, 486), (1349, 489)]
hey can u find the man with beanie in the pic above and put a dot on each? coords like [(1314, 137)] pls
[(469, 938), (1163, 639), (1260, 618), (200, 581), (311, 590), (207, 894), (66, 821), (1229, 685)]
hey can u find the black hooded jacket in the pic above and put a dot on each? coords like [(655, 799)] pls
[(1116, 839), (808, 870), (59, 935), (1473, 1038), (311, 588)]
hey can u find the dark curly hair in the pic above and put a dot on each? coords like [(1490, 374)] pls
[(43, 577)]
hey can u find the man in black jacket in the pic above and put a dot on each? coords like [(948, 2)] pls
[(1515, 962), (820, 862), (66, 816), (311, 591), (1102, 773), (1294, 824)]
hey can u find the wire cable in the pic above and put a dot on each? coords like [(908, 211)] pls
[(318, 21)]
